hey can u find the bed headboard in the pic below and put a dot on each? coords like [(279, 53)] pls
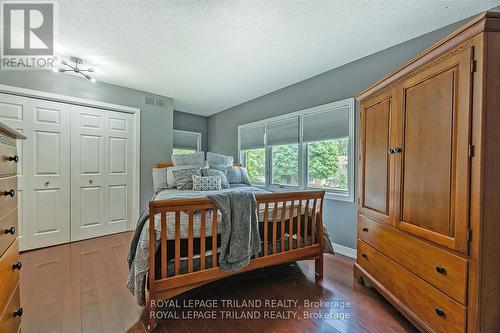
[(169, 164)]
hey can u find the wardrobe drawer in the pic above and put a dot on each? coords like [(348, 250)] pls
[(440, 312), (442, 269), (8, 160), (9, 276), (8, 195), (11, 316), (8, 230)]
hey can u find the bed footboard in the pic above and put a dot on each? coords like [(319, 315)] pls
[(292, 230)]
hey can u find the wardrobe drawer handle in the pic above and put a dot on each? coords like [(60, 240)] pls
[(10, 193), (440, 312), (364, 255), (440, 270), (18, 312), (365, 229), (11, 230), (14, 158), (17, 266)]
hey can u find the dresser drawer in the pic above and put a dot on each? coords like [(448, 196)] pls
[(10, 319), (8, 160), (8, 230), (437, 310), (442, 269), (9, 276), (8, 195)]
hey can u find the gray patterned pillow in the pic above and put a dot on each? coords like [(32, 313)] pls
[(184, 178), (221, 174), (170, 175), (210, 183), (216, 159), (235, 175), (188, 159)]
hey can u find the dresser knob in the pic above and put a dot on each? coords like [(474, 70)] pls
[(364, 255), (365, 229), (17, 266), (14, 158), (10, 193), (18, 312), (440, 270), (440, 312), (11, 230)]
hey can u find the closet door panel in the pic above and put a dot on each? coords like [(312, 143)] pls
[(48, 173)]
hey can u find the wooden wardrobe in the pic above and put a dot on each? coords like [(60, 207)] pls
[(429, 183)]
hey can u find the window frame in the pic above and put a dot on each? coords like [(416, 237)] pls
[(303, 152), (198, 138)]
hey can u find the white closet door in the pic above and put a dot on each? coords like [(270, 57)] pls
[(101, 197), (47, 188), (13, 110)]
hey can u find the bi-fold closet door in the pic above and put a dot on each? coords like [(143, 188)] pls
[(75, 171)]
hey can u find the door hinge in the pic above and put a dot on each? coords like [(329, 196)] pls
[(469, 234), (473, 65), (471, 150)]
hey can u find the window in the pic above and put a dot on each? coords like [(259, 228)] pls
[(186, 142), (312, 148)]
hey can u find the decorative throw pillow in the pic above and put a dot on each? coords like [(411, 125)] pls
[(184, 178), (170, 176), (235, 175), (188, 159), (216, 159), (219, 173), (210, 183), (160, 179), (244, 176)]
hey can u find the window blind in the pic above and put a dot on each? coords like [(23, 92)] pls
[(326, 125), (283, 132), (185, 141), (252, 137)]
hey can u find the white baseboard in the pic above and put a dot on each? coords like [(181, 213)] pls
[(345, 251)]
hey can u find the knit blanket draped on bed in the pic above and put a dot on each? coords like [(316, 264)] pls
[(240, 239)]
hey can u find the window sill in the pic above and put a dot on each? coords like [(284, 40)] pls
[(329, 195)]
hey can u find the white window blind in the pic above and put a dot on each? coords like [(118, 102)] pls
[(326, 125), (184, 140), (283, 132), (252, 138)]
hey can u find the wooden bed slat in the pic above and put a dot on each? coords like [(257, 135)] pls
[(190, 241), (266, 220), (177, 242), (290, 225), (313, 222), (202, 239), (214, 237), (275, 218), (283, 221), (163, 245), (306, 219), (299, 218)]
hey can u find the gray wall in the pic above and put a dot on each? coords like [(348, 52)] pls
[(191, 122), (156, 123), (339, 83)]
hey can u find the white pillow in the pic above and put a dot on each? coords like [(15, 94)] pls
[(170, 176), (209, 183), (160, 179), (216, 159), (188, 159)]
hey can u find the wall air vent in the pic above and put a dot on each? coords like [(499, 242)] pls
[(148, 100), (160, 103)]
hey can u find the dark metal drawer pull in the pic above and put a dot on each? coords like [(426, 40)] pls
[(17, 266), (365, 229), (10, 193), (14, 158), (11, 230), (364, 255), (440, 312), (440, 270), (18, 312)]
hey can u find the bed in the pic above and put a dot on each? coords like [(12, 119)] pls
[(177, 242)]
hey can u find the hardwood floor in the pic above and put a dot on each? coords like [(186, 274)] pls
[(81, 287)]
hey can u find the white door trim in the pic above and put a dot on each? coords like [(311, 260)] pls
[(12, 90)]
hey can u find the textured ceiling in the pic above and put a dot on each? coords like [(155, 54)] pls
[(211, 55)]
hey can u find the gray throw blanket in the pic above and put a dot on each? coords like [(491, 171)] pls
[(240, 238)]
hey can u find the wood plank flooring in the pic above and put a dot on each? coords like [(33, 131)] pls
[(81, 287)]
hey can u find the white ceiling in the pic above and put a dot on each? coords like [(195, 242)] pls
[(211, 55)]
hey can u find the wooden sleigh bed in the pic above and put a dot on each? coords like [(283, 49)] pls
[(304, 222)]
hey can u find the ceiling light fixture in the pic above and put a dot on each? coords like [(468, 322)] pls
[(74, 68)]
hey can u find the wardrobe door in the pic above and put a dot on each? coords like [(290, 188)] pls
[(433, 177), (48, 173), (101, 177), (376, 167)]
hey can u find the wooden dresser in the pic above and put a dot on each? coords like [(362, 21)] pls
[(10, 307), (429, 183)]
